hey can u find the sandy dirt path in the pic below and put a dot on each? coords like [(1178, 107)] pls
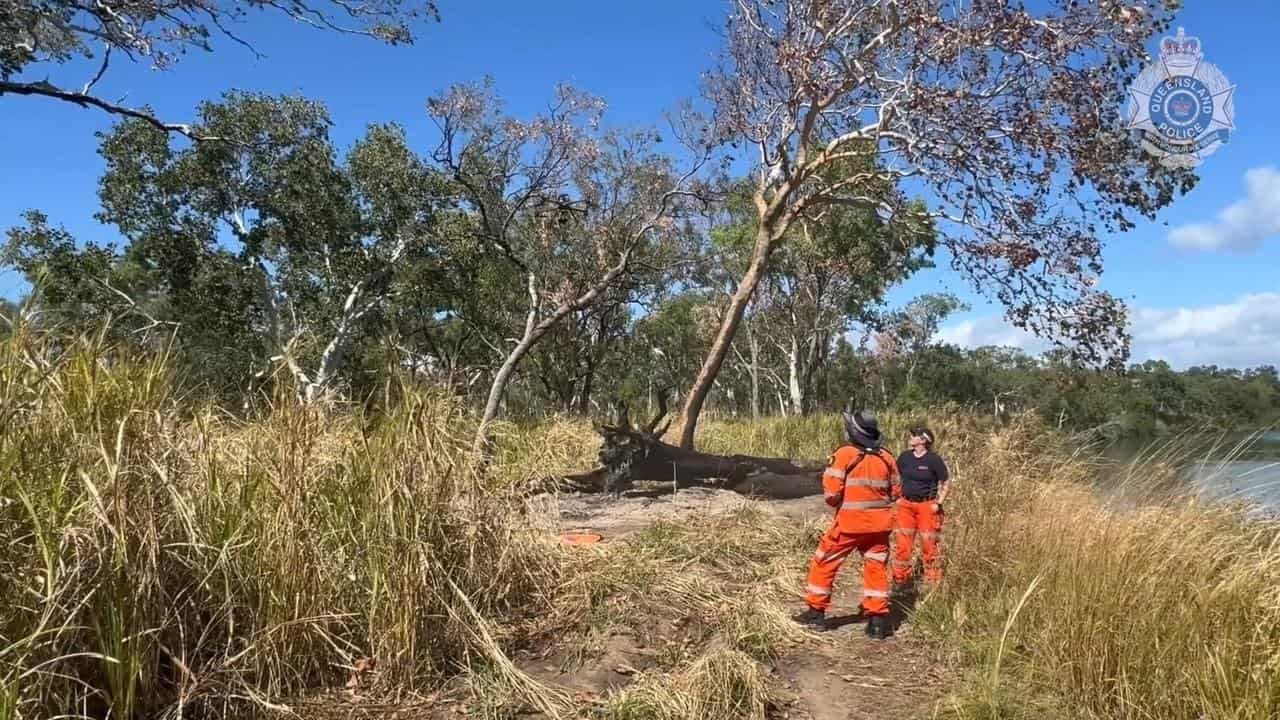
[(835, 675)]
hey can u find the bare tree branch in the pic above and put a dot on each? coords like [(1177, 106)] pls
[(46, 89), (106, 59)]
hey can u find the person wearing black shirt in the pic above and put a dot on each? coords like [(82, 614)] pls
[(924, 485)]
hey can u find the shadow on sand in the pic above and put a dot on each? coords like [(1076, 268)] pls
[(900, 606)]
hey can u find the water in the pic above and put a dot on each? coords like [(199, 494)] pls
[(1251, 474), (1238, 467)]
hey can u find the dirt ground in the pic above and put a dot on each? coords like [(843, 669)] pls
[(839, 674), (843, 675)]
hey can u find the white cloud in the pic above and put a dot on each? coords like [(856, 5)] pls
[(990, 331), (1244, 224), (1243, 333)]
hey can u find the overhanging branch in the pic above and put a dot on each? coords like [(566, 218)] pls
[(46, 89)]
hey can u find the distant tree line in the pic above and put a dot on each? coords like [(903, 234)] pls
[(1142, 401)]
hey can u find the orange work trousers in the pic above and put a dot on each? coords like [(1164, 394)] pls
[(912, 520), (833, 548)]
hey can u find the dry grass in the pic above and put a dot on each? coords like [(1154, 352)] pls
[(1142, 603), (156, 563), (529, 452), (720, 685), (726, 579), (708, 597), (159, 562), (713, 593), (815, 437)]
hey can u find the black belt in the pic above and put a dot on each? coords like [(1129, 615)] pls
[(922, 498)]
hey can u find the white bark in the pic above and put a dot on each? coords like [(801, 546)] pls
[(755, 372), (753, 367), (358, 302), (499, 386), (334, 355), (793, 377), (534, 330)]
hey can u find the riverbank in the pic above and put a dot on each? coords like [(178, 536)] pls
[(159, 561), (1151, 601)]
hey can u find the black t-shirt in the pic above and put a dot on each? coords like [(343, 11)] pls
[(921, 475)]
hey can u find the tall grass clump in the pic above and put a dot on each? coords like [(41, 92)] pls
[(158, 561), (1144, 601)]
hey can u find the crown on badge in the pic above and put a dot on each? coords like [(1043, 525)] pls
[(1180, 51)]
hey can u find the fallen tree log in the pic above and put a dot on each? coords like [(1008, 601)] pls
[(629, 455)]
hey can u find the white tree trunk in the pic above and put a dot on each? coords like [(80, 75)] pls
[(793, 377), (765, 238), (335, 353), (755, 372), (316, 386), (499, 386), (533, 332)]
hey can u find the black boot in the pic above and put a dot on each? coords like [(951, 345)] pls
[(879, 627), (816, 619)]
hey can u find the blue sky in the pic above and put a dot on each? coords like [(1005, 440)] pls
[(1219, 303)]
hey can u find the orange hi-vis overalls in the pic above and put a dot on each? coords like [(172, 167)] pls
[(859, 484), (917, 519)]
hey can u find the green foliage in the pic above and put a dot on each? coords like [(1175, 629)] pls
[(915, 325), (673, 338), (263, 245), (75, 282), (275, 257)]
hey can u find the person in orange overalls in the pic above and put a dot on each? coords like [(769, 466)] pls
[(925, 481), (859, 483)]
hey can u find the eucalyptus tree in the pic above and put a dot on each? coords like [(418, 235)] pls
[(568, 207), (1004, 118), (318, 240), (909, 331), (831, 273)]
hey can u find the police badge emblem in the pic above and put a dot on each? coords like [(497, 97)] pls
[(1181, 109)]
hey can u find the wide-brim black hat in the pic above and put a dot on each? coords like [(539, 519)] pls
[(862, 429)]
